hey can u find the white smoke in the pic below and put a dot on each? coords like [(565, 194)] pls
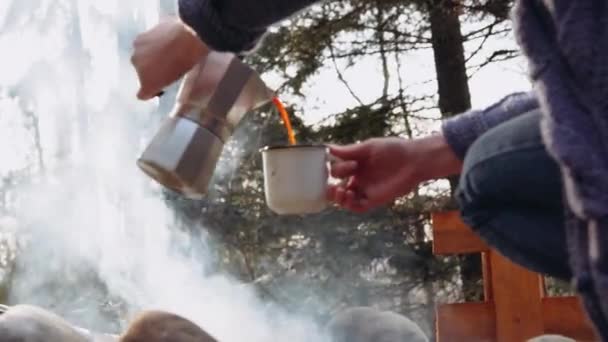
[(95, 229)]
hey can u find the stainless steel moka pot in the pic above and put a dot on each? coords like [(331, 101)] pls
[(213, 97)]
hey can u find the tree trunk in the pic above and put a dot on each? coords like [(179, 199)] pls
[(448, 49), (454, 97)]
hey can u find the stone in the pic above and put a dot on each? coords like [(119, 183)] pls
[(365, 324)]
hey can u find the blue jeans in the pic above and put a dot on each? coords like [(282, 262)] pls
[(510, 193)]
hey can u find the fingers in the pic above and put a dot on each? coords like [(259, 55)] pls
[(148, 65), (136, 61), (149, 84), (350, 152), (355, 203), (145, 92), (143, 95), (163, 54), (339, 195), (348, 199), (343, 169)]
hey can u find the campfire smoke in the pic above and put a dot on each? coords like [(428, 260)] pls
[(98, 244)]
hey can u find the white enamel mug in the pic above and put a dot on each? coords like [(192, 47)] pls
[(296, 178)]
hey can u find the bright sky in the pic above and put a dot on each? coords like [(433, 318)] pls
[(326, 94)]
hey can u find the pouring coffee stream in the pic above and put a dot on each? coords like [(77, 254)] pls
[(213, 98), (285, 116)]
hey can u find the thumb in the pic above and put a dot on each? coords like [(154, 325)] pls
[(352, 151), (143, 95)]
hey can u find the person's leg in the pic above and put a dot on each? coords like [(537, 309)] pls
[(510, 193)]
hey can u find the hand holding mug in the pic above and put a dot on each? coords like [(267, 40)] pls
[(379, 170), (164, 54)]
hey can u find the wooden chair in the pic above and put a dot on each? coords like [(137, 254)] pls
[(515, 307)]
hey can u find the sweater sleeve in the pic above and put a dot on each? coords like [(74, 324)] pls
[(236, 25), (461, 131)]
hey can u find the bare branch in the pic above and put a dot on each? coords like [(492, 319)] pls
[(496, 56), (382, 43), (481, 45), (341, 76), (473, 34)]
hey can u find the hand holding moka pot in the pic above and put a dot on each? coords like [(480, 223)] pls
[(213, 98)]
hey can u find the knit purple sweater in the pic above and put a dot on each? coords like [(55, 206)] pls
[(566, 45)]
